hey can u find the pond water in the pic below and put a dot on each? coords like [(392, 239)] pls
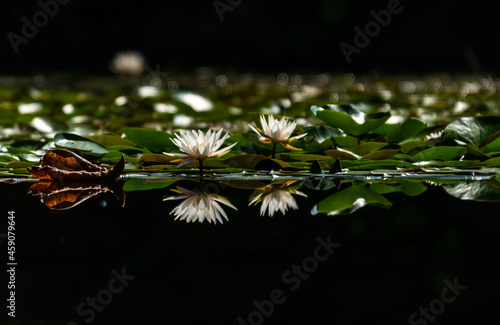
[(374, 265), (380, 223)]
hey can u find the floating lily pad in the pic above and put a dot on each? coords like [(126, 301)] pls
[(440, 153), (108, 140), (323, 132), (381, 154), (350, 119), (401, 132), (79, 144), (474, 130), (346, 141), (153, 140)]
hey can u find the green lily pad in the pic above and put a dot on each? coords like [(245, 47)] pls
[(401, 132), (492, 146), (474, 130), (303, 157), (80, 144), (366, 148), (440, 153), (381, 154), (108, 140), (412, 145), (492, 162), (350, 119), (323, 132), (341, 154), (345, 141), (375, 164), (156, 158), (19, 164), (151, 139)]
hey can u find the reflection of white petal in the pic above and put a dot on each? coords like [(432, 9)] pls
[(277, 200), (199, 207)]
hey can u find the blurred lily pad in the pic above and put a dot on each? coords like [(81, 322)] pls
[(151, 139), (350, 119)]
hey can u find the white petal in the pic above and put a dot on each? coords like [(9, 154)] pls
[(299, 136), (217, 153)]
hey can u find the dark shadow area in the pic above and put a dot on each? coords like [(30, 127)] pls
[(396, 36)]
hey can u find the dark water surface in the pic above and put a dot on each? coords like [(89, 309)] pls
[(381, 266)]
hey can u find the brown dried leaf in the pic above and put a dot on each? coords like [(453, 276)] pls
[(64, 165)]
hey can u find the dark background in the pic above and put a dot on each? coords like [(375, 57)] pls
[(389, 262), (302, 36)]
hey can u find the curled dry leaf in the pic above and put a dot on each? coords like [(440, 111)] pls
[(64, 165)]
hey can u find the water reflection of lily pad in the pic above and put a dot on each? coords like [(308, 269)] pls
[(350, 199), (487, 191)]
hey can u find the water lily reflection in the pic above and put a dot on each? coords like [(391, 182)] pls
[(199, 206), (277, 197)]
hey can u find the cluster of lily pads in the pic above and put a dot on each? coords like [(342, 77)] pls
[(359, 141)]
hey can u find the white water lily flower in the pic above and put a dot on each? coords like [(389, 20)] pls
[(199, 206), (277, 131), (276, 199), (199, 146)]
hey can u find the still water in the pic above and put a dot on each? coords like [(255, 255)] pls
[(426, 258)]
